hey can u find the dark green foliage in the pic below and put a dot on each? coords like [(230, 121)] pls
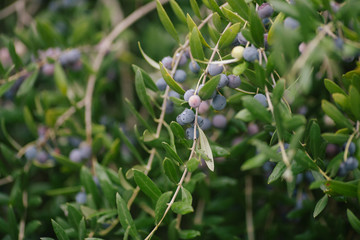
[(93, 146)]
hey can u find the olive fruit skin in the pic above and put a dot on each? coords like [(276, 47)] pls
[(194, 101), (80, 197), (234, 81), (215, 69), (223, 81), (180, 76), (75, 155), (237, 52), (291, 23), (188, 94), (352, 148), (218, 102), (219, 121), (187, 116), (69, 57), (174, 94), (161, 84), (85, 149), (167, 62), (251, 54), (183, 59), (30, 153), (351, 164), (265, 10), (241, 39), (262, 99), (190, 133), (194, 67), (204, 107)]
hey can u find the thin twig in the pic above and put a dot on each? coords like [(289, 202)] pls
[(8, 10), (103, 48), (162, 115)]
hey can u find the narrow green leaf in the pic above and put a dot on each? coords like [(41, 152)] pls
[(270, 152), (141, 92), (260, 75), (32, 227), (177, 129), (137, 115), (12, 223), (112, 153), (2, 70), (219, 151), (161, 205), (213, 33), (195, 8), (191, 25), (190, 22), (106, 185), (152, 63), (7, 136), (347, 189), (60, 78), (208, 89), (29, 121), (257, 161), (186, 196), (257, 109), (147, 185), (182, 208), (5, 87), (89, 185), (256, 29), (59, 231), (82, 229), (205, 147), (240, 6), (278, 91), (315, 140), (320, 205), (48, 34), (171, 152), (170, 81), (354, 221), (333, 87), (28, 84), (294, 122), (335, 115), (65, 161), (14, 56), (215, 7), (354, 101), (178, 11), (336, 138), (196, 47), (149, 83), (229, 35), (232, 16), (63, 191), (343, 101), (125, 217), (277, 172), (125, 184), (74, 216), (278, 21), (189, 234), (192, 164), (166, 22), (171, 170)]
